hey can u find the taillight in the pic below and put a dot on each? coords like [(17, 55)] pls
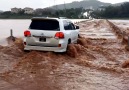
[(27, 34), (59, 35)]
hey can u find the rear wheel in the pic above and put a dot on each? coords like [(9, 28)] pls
[(26, 50), (79, 36), (69, 41)]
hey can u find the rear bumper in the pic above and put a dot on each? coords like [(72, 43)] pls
[(39, 48)]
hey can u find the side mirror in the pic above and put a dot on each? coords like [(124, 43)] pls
[(77, 27)]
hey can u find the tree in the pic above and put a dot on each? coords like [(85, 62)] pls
[(121, 11)]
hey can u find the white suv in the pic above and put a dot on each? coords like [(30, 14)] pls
[(50, 34)]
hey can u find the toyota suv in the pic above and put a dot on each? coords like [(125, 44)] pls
[(50, 34)]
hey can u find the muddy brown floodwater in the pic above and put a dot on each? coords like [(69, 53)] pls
[(99, 63)]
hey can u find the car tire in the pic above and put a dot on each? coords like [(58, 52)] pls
[(26, 50), (69, 41)]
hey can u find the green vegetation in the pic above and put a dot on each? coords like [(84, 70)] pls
[(116, 12), (9, 15), (69, 13), (109, 12)]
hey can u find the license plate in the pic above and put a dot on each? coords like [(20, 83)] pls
[(42, 39)]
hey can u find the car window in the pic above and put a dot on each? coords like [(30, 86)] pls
[(45, 25), (72, 25), (68, 25)]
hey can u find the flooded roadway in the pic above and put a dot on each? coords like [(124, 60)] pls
[(18, 26), (97, 29), (92, 64)]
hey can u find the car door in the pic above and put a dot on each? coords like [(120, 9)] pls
[(68, 29), (74, 32)]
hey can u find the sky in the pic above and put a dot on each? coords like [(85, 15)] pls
[(6, 5)]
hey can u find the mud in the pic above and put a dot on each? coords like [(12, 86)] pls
[(125, 64), (91, 64), (96, 29)]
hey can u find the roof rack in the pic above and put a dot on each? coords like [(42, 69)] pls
[(62, 17), (49, 17)]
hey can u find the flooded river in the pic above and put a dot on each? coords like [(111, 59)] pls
[(91, 64), (18, 26)]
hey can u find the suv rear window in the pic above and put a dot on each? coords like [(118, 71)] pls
[(45, 25)]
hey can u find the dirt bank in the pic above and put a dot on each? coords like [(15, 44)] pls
[(91, 64)]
